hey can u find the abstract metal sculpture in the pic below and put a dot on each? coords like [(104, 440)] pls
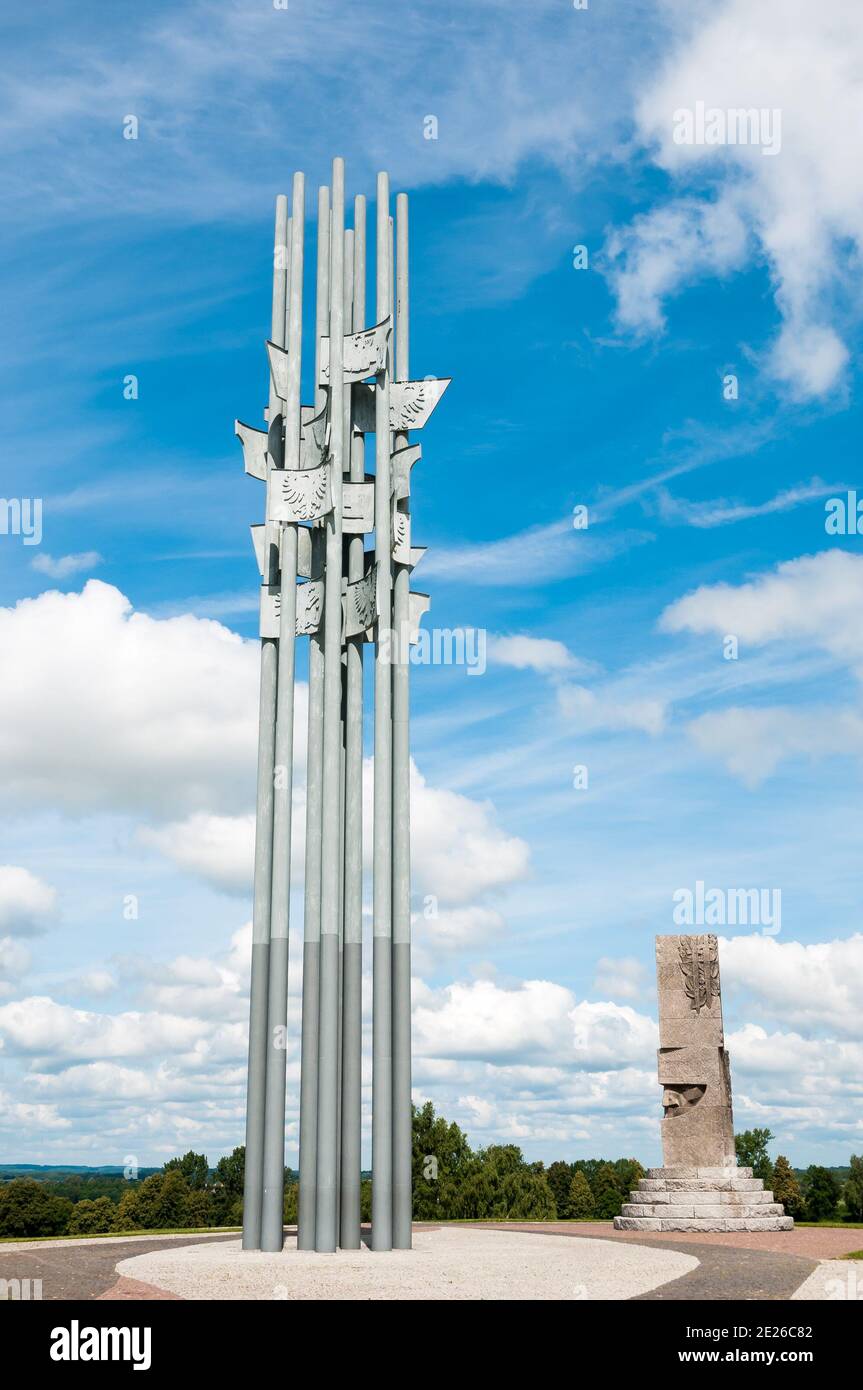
[(319, 580)]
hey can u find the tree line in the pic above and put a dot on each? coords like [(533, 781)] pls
[(451, 1182)]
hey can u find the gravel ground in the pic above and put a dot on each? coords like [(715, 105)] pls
[(834, 1280), (444, 1264)]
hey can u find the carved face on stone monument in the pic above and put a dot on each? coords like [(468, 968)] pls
[(678, 1099)]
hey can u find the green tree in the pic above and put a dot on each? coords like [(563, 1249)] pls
[(194, 1167), (606, 1192), (28, 1208), (200, 1210), (559, 1178), (92, 1216), (441, 1159), (821, 1191), (751, 1150), (366, 1199), (786, 1188), (159, 1202), (629, 1174), (292, 1197), (580, 1203), (228, 1180), (231, 1171), (501, 1186), (852, 1192)]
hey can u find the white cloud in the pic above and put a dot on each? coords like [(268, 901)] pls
[(720, 512), (456, 928), (815, 599), (66, 565), (753, 742), (538, 1021), (807, 986), (219, 849), (623, 978), (476, 67), (39, 1027), (156, 715), (14, 962), (591, 713), (811, 602), (525, 653), (801, 210), (26, 903), (667, 247), (459, 853), (540, 555)]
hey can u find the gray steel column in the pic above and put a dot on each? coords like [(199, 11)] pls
[(402, 1117), (256, 1086), (314, 788), (348, 305), (328, 1033), (272, 1223), (352, 960), (382, 1071)]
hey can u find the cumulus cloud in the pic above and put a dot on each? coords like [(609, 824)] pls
[(814, 599), (814, 986), (800, 210), (538, 1021), (26, 903), (219, 849), (459, 852), (40, 1027), (542, 654), (156, 715)]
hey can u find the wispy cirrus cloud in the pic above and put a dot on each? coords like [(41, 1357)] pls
[(539, 555), (720, 512)]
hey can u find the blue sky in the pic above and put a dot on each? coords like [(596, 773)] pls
[(128, 722)]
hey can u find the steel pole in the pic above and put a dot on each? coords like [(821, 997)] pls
[(314, 789), (402, 1114), (272, 1223), (382, 1071), (258, 991), (352, 961), (328, 1035), (347, 310)]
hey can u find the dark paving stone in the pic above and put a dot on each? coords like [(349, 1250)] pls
[(82, 1271)]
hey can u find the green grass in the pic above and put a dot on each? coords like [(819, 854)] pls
[(836, 1225), (854, 1255), (514, 1220), (116, 1235)]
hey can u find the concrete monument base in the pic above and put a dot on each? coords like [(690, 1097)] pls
[(702, 1199)]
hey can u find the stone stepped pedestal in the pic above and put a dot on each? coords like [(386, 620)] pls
[(702, 1199)]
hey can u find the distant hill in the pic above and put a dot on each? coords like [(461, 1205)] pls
[(50, 1171)]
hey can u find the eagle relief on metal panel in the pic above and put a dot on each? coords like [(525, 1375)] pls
[(699, 962)]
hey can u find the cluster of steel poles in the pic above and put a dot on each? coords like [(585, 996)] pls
[(320, 580)]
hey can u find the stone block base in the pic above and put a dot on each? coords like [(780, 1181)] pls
[(702, 1199)]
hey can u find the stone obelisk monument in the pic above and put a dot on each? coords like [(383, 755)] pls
[(700, 1187)]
